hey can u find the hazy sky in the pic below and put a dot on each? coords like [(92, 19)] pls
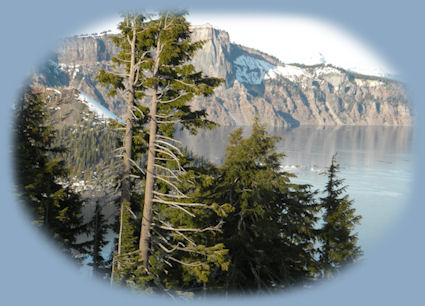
[(291, 38)]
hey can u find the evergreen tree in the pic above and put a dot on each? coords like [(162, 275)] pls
[(184, 249), (171, 82), (92, 158), (339, 242), (99, 229), (133, 58), (159, 50), (271, 232), (40, 177)]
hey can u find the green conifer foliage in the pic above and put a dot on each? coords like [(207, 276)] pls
[(339, 242), (160, 81), (40, 177), (99, 229), (127, 76), (184, 248), (171, 82), (270, 232)]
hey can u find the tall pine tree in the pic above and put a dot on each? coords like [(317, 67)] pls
[(160, 50), (127, 77), (171, 82)]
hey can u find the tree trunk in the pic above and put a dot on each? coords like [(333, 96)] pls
[(145, 232), (147, 209), (128, 139)]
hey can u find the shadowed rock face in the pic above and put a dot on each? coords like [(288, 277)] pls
[(256, 84)]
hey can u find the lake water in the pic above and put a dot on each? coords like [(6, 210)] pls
[(376, 163)]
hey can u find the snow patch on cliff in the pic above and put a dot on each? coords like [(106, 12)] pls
[(95, 107), (251, 70), (327, 70), (288, 71)]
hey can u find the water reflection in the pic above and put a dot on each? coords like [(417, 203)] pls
[(376, 163)]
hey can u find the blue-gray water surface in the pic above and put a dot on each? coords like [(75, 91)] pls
[(376, 163)]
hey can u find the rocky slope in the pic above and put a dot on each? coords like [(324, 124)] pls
[(256, 85)]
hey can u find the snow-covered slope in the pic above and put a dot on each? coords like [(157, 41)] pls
[(95, 107), (253, 70), (290, 72)]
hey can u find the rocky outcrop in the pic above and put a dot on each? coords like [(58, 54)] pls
[(330, 99), (256, 84), (86, 50), (214, 57)]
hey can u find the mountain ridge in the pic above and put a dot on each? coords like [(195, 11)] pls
[(256, 84)]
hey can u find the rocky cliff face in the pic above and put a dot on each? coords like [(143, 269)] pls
[(256, 85)]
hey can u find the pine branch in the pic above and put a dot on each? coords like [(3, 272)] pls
[(174, 99)]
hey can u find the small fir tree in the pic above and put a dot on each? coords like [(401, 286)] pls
[(270, 232), (99, 229), (339, 242)]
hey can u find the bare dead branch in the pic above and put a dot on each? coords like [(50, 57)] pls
[(137, 166), (169, 144), (170, 184), (168, 170), (174, 158), (176, 247), (178, 233), (157, 200), (164, 116), (184, 83), (168, 121), (173, 100), (195, 230), (168, 138), (173, 196), (197, 264), (132, 213), (162, 148), (183, 203)]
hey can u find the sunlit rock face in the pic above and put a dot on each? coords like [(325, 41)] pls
[(256, 84)]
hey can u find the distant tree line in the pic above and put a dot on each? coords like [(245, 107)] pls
[(89, 150)]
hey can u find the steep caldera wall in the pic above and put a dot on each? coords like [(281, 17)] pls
[(256, 84)]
